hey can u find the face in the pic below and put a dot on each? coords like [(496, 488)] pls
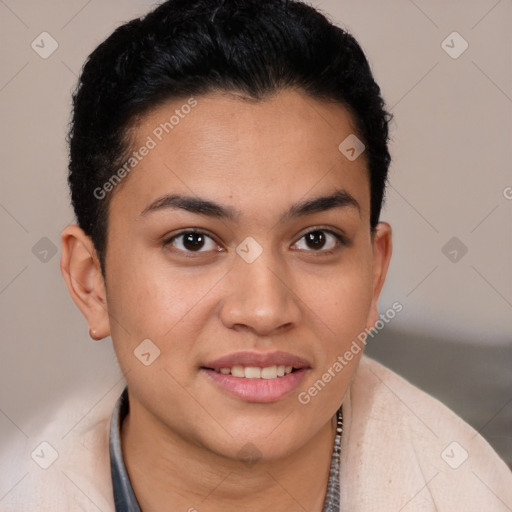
[(242, 269)]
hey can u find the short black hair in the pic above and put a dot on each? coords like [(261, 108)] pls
[(185, 48)]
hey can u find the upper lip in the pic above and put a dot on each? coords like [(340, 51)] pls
[(257, 359)]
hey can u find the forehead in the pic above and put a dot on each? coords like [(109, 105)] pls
[(222, 146)]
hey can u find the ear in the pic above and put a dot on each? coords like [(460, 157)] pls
[(81, 270), (382, 249)]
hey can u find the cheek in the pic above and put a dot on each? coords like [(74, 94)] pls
[(339, 304), (149, 298), (340, 298)]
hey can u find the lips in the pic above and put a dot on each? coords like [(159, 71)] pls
[(256, 377), (258, 360)]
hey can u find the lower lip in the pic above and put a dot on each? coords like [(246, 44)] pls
[(257, 390)]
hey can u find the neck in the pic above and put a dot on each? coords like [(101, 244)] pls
[(168, 469)]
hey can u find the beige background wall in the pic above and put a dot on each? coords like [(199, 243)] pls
[(451, 177)]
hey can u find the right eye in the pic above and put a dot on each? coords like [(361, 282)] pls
[(191, 242)]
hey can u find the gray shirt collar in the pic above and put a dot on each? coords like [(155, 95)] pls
[(124, 497)]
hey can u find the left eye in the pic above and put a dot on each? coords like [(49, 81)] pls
[(317, 240)]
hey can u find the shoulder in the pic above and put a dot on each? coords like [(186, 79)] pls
[(408, 445), (65, 464)]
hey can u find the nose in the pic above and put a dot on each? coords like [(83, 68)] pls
[(259, 297)]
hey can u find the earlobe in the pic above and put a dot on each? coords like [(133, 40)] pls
[(81, 271), (382, 250)]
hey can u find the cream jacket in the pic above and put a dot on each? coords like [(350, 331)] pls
[(402, 450)]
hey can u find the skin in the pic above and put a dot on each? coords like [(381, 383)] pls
[(182, 438)]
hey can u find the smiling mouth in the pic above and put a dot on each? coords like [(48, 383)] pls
[(255, 372), (255, 376)]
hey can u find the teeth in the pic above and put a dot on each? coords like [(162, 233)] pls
[(270, 372), (254, 372), (238, 371)]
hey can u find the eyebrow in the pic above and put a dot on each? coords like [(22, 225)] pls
[(339, 199)]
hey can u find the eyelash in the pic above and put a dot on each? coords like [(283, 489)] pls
[(341, 241)]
